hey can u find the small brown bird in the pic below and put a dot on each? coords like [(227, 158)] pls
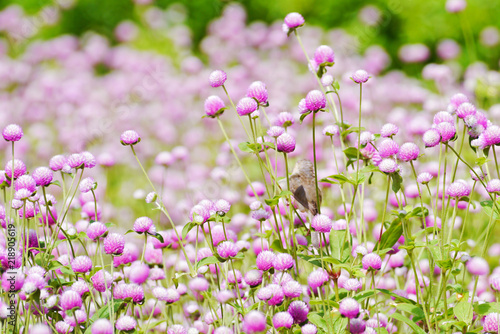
[(303, 187)]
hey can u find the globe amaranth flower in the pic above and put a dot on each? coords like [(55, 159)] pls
[(114, 244), (298, 310), (315, 100), (327, 80), (293, 21), (253, 277), (129, 137), (331, 130), (246, 106), (478, 266), (321, 223), (143, 225), (317, 278), (19, 169), (102, 326), (283, 261), (284, 119), (455, 6), (227, 249), (217, 78), (408, 152), (371, 261), (254, 322), (81, 264), (458, 189), (431, 138), (96, 230), (12, 133), (446, 131), (282, 320), (309, 329), (125, 323), (424, 178), (57, 162), (285, 143), (214, 106), (388, 130), (265, 260), (43, 176), (388, 166), (70, 300), (349, 308), (491, 136), (292, 289), (324, 56), (477, 174), (490, 323), (258, 91), (466, 109), (360, 76), (387, 148), (87, 184)]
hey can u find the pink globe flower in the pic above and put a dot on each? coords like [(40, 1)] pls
[(143, 225), (490, 323), (214, 106), (431, 138), (96, 230), (76, 160), (315, 100), (254, 322), (360, 76), (70, 300), (129, 137), (285, 143), (389, 130), (81, 264), (282, 320), (388, 148), (408, 152), (388, 166), (321, 223), (246, 106), (349, 308), (12, 133), (57, 162), (114, 244), (43, 176), (371, 261), (446, 130), (102, 326), (227, 249), (324, 56), (455, 6), (126, 323), (258, 91), (478, 266), (217, 78), (294, 20), (283, 261), (265, 260), (19, 169)]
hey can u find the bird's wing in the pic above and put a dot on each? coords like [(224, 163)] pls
[(298, 191)]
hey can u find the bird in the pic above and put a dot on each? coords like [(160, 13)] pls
[(303, 187)]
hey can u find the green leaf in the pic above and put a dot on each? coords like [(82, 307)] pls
[(157, 236), (56, 183), (488, 209), (304, 115), (463, 310), (244, 147), (481, 161), (416, 310), (338, 178), (352, 153), (381, 330), (318, 320), (365, 294), (103, 312), (278, 246), (311, 259), (188, 227), (351, 130), (206, 261), (409, 322), (339, 324), (336, 85), (396, 182), (397, 297), (339, 245), (483, 309), (392, 235), (67, 271)]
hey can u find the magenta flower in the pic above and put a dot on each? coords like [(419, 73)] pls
[(349, 308), (246, 106), (12, 133), (129, 137), (114, 244), (360, 76), (217, 78), (315, 100), (214, 106), (285, 143), (70, 300)]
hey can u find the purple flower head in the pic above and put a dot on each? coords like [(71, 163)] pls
[(246, 106), (98, 280), (76, 160), (102, 326), (324, 56), (284, 119), (217, 78), (43, 176), (480, 174), (283, 261), (275, 131), (349, 308), (458, 189), (352, 284), (214, 106), (199, 284), (253, 277), (25, 182), (143, 225), (293, 21), (317, 278), (81, 264), (19, 169), (87, 185), (455, 6), (114, 244), (309, 329), (129, 137), (265, 260), (139, 272), (327, 80), (199, 214), (254, 322), (360, 76), (466, 109), (457, 99), (424, 178), (331, 130), (446, 130), (227, 249), (443, 116), (491, 136), (298, 310), (125, 323), (357, 326), (258, 91), (431, 138), (371, 261), (292, 289), (57, 162), (285, 143), (315, 100), (321, 223), (389, 130), (96, 230), (408, 152), (70, 300), (282, 320), (12, 132), (222, 207), (388, 166), (90, 160), (478, 266), (490, 323), (388, 148)]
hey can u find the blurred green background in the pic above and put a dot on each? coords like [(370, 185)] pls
[(402, 21)]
